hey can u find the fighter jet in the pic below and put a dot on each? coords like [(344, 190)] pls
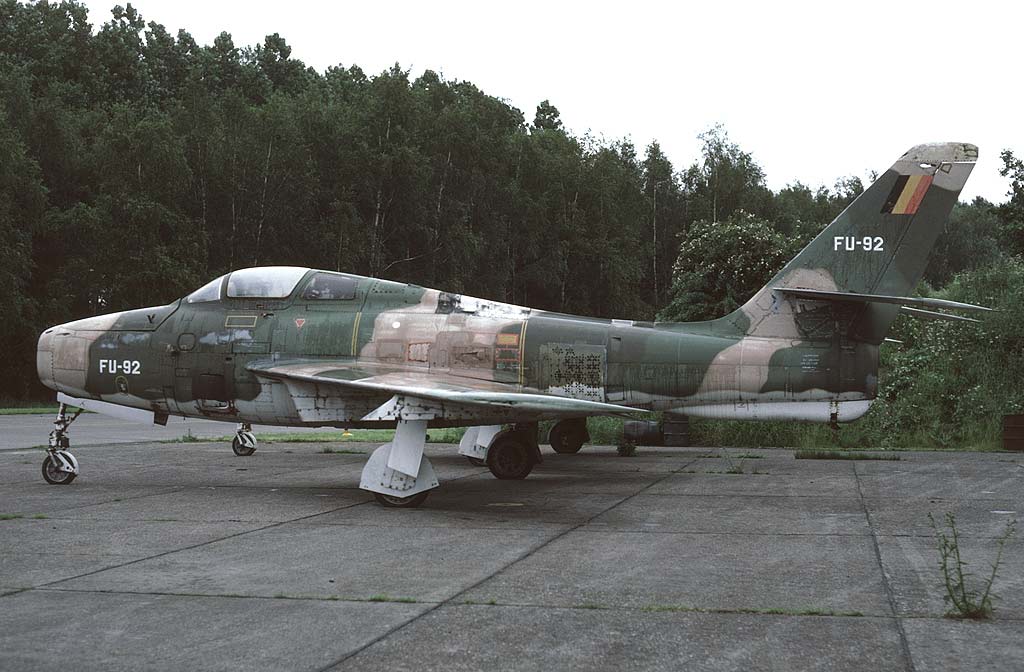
[(312, 348)]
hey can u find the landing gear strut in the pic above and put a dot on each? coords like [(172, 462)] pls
[(60, 467), (244, 443), (398, 473)]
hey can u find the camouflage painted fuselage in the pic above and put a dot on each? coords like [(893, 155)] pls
[(194, 359)]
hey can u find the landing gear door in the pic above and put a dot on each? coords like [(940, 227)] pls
[(184, 361)]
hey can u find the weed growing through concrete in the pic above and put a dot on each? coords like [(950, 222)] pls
[(627, 449), (388, 598), (967, 602), (842, 455), (748, 610), (10, 516), (735, 467)]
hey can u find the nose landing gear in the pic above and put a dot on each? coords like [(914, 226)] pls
[(60, 467), (244, 443)]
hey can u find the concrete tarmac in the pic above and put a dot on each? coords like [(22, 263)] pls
[(183, 556)]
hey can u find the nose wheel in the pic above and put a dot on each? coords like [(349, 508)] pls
[(244, 443), (60, 467)]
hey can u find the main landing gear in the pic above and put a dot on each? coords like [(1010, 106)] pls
[(512, 453), (398, 473), (60, 467), (244, 443), (400, 476), (568, 436), (509, 454)]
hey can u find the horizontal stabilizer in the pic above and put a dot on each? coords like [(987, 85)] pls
[(930, 315), (822, 295)]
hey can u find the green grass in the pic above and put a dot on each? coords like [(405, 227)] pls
[(22, 407), (10, 516), (388, 598), (29, 410), (842, 455)]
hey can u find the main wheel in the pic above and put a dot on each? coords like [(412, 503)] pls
[(244, 444), (476, 461), (568, 436), (509, 458), (393, 502), (54, 475)]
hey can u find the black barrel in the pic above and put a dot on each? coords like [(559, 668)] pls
[(641, 432), (1013, 432)]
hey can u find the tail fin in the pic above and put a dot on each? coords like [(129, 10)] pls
[(879, 245)]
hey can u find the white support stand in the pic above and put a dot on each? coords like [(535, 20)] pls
[(477, 440), (399, 468)]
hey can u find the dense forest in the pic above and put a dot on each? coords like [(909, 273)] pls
[(136, 164)]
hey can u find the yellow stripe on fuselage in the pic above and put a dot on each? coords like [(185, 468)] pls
[(522, 352), (355, 333)]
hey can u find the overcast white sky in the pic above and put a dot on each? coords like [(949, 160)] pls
[(815, 90)]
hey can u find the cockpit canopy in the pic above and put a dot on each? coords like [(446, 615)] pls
[(265, 282), (278, 282), (269, 282)]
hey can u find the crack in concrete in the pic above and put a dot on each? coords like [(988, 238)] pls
[(890, 594)]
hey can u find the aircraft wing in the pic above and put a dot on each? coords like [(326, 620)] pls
[(444, 390)]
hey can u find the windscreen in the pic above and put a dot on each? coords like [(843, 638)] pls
[(208, 292), (268, 282)]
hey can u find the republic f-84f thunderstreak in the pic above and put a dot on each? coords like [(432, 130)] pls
[(303, 347)]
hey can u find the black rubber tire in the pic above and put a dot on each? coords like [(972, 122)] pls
[(568, 437), (509, 458), (392, 502), (476, 461), (53, 476), (241, 450)]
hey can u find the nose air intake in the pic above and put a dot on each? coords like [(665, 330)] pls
[(62, 360), (44, 359)]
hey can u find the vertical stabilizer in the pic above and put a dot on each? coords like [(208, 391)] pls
[(878, 245)]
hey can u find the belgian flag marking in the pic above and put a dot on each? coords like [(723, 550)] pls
[(907, 194)]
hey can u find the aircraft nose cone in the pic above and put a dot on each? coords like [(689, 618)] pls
[(44, 358), (62, 359)]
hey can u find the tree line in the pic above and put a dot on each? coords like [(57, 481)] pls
[(136, 164)]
